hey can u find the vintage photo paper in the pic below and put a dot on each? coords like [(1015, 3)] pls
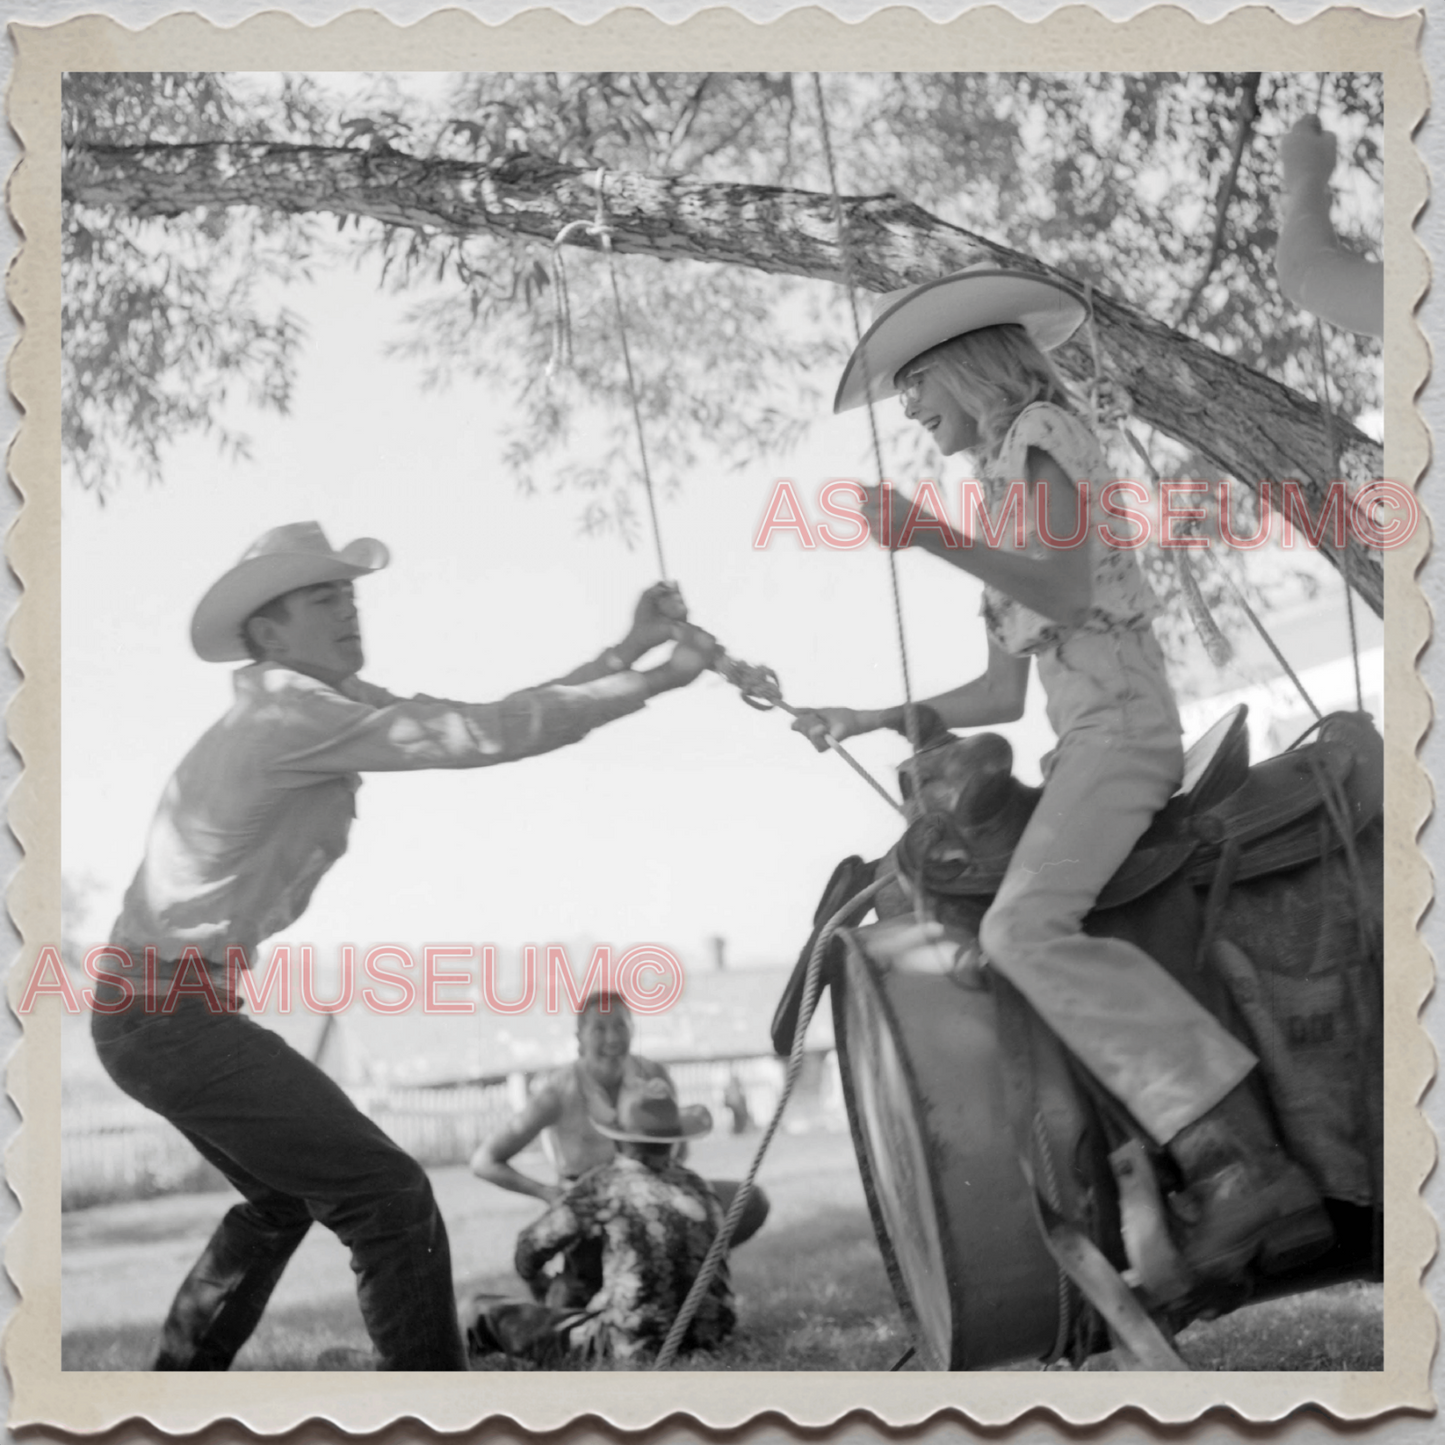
[(373, 1039)]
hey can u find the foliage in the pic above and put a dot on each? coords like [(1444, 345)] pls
[(1114, 178), (163, 320)]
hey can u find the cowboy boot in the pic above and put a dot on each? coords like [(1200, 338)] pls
[(1245, 1199)]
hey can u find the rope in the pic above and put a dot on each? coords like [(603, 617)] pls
[(1269, 642), (562, 337), (604, 235), (561, 302), (717, 1252), (758, 685), (910, 713), (1239, 598), (1216, 644), (1334, 465), (761, 689), (1045, 1154)]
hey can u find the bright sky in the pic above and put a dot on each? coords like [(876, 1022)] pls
[(698, 817)]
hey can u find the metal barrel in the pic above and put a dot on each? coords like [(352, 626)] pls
[(926, 1102)]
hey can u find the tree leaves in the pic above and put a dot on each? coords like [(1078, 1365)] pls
[(1112, 177), (163, 321)]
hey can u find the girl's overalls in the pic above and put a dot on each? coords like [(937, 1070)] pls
[(1118, 761)]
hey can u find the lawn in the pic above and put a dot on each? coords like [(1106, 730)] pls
[(811, 1289)]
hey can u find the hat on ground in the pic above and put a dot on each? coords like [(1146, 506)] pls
[(909, 322), (647, 1113), (296, 555)]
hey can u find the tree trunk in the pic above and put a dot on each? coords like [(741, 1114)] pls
[(1252, 428)]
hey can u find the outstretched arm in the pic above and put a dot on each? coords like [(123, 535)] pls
[(374, 732), (997, 695)]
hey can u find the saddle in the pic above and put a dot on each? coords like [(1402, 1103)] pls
[(969, 811), (1229, 822)]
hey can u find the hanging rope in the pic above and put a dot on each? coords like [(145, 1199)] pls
[(758, 686), (601, 231), (1216, 644), (910, 712), (1332, 448), (717, 1252), (1327, 416), (604, 234), (1263, 631), (1239, 598)]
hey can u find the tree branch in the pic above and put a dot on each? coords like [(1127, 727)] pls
[(1248, 425)]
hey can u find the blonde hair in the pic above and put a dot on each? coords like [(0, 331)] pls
[(993, 373)]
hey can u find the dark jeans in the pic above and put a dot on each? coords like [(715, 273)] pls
[(298, 1149), (581, 1274)]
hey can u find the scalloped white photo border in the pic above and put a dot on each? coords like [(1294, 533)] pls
[(988, 38)]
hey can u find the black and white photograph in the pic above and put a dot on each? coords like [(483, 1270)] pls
[(723, 721)]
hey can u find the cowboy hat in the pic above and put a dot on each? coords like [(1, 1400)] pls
[(647, 1113), (909, 322), (285, 558)]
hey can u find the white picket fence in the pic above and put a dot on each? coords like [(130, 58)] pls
[(117, 1149)]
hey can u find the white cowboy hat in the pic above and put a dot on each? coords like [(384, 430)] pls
[(648, 1114), (907, 323), (296, 555)]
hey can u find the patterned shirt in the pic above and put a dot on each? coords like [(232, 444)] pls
[(262, 805), (656, 1226), (1120, 597)]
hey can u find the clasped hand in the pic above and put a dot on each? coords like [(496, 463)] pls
[(661, 616), (818, 724), (655, 620)]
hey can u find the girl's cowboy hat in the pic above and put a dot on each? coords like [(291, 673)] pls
[(296, 555), (909, 322), (647, 1113)]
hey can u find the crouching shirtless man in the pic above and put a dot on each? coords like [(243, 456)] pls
[(569, 1107)]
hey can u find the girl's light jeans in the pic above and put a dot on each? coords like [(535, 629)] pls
[(1119, 759)]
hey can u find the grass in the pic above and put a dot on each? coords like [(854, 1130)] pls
[(810, 1297), (811, 1289), (814, 1296), (1342, 1328)]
